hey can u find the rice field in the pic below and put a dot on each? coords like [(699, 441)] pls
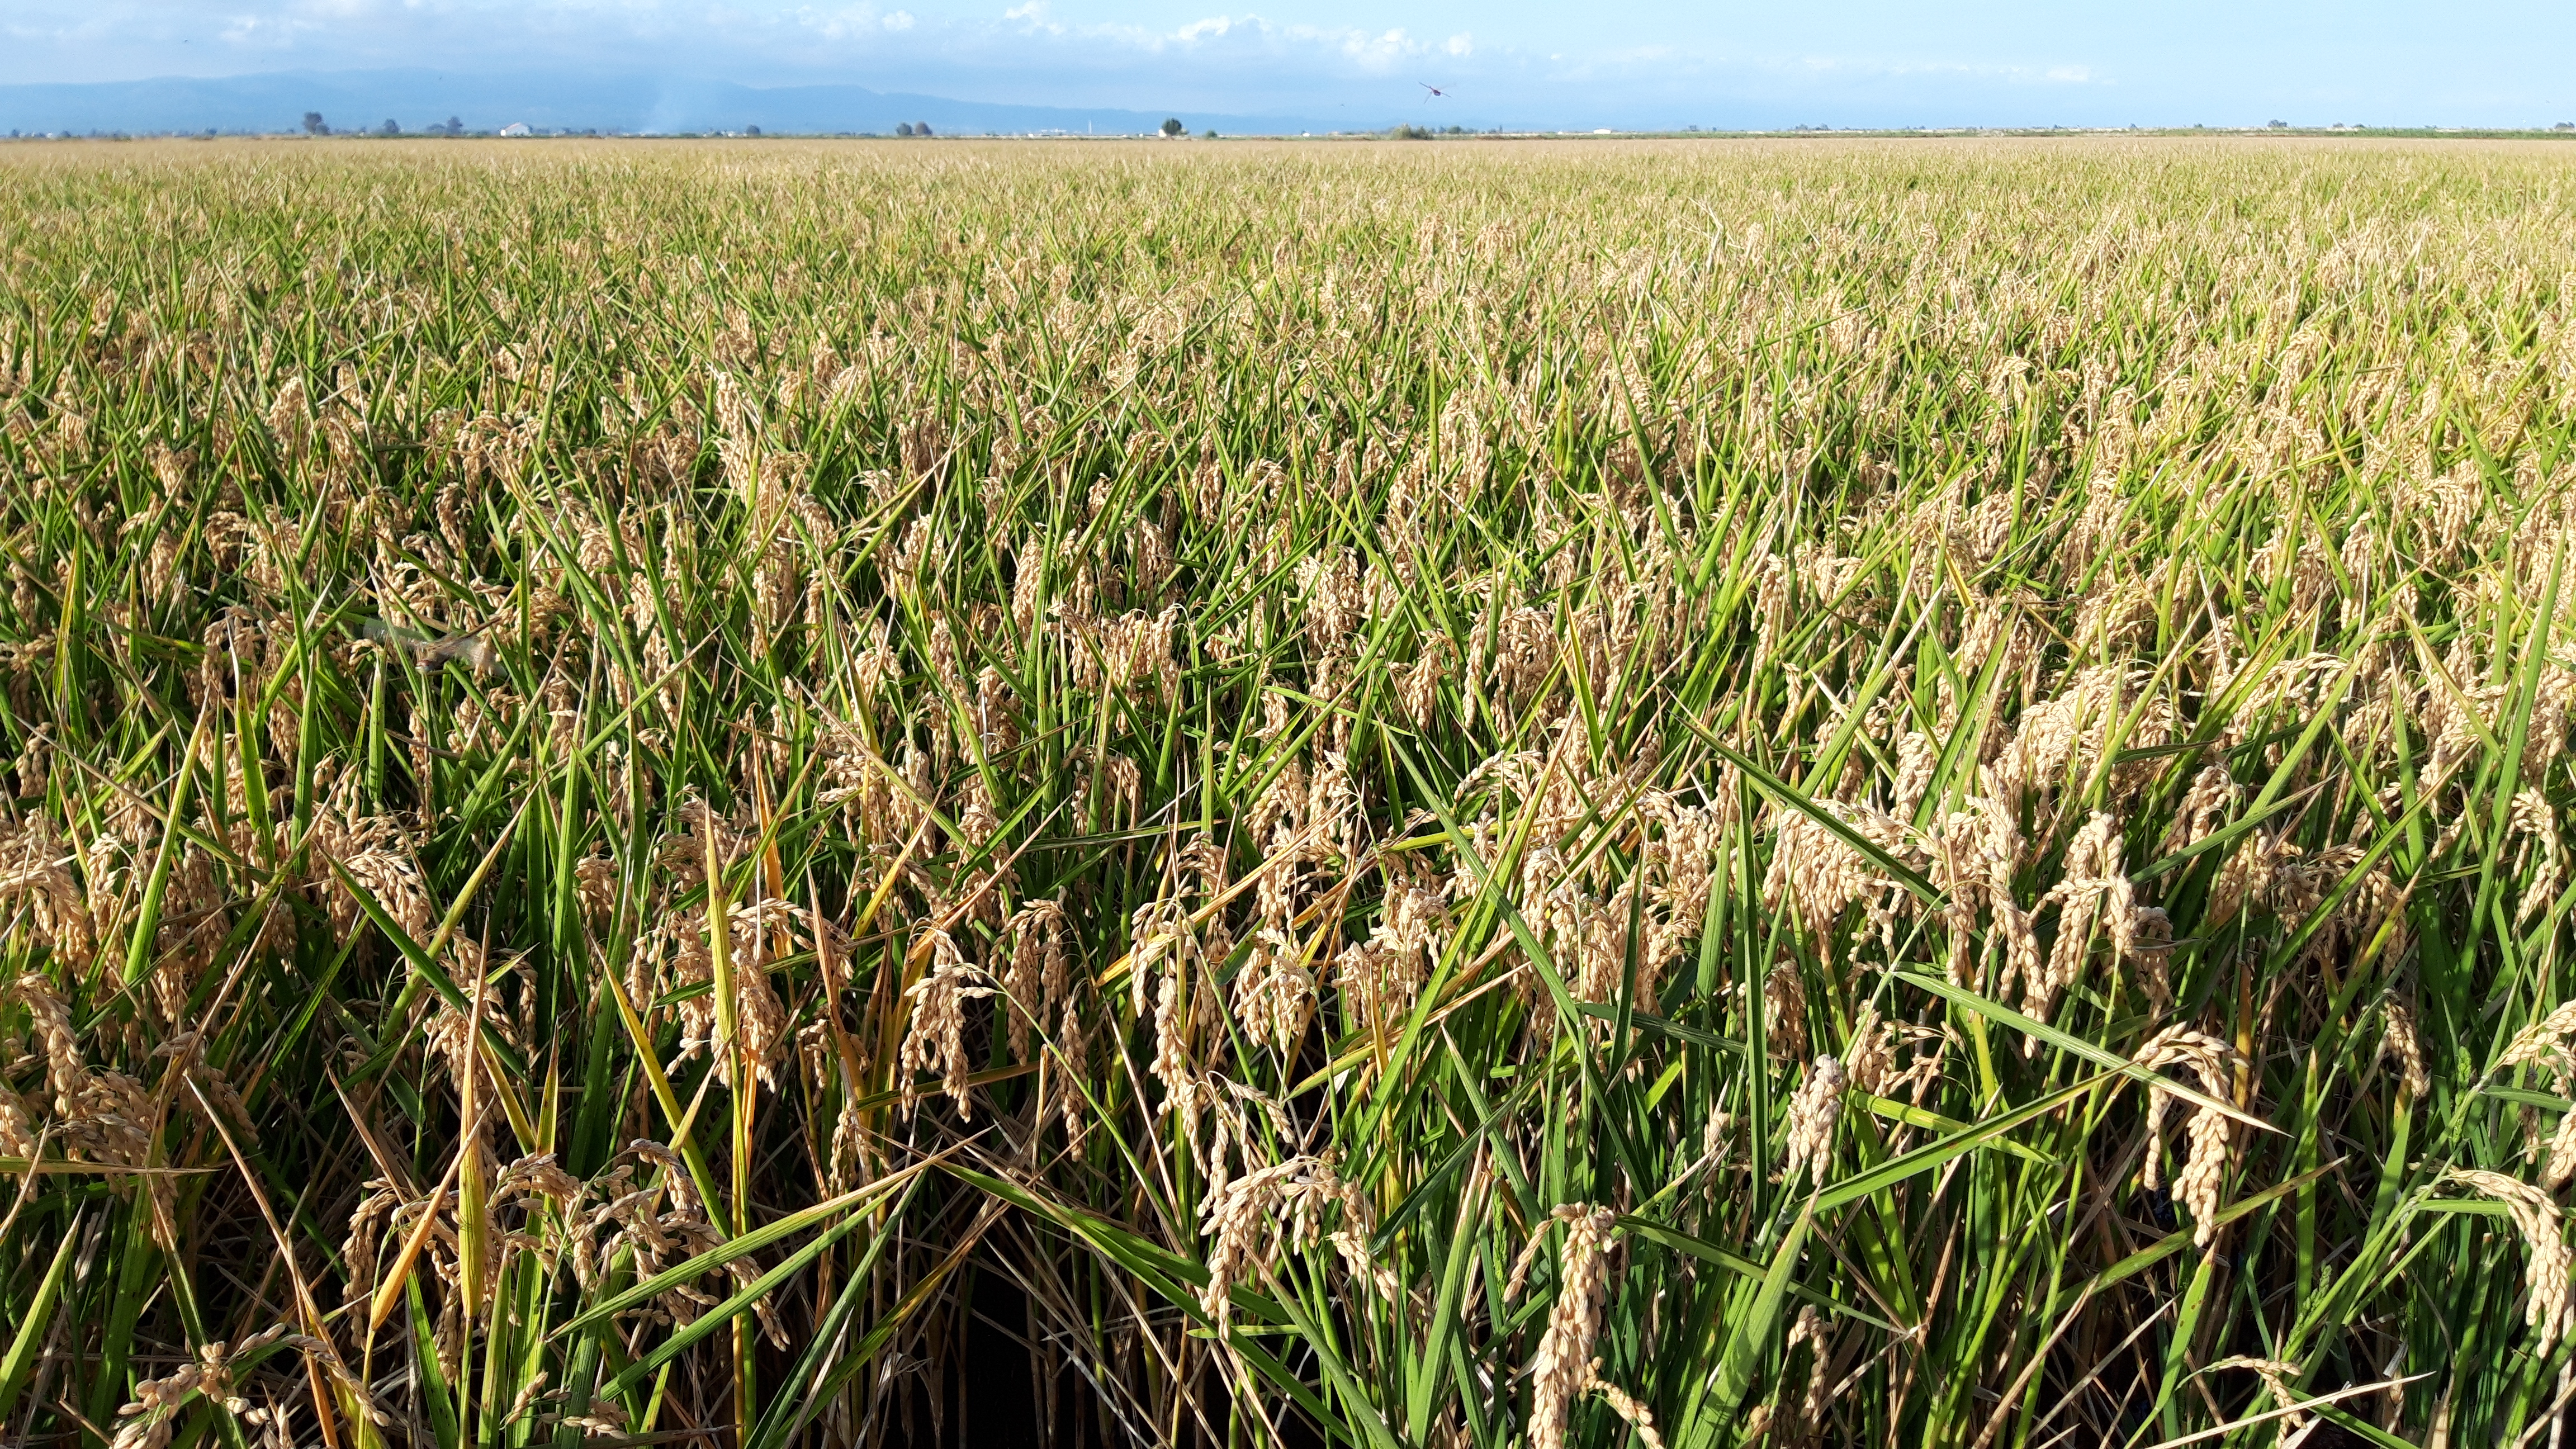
[(1473, 794)]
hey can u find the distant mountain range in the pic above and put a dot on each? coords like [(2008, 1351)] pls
[(419, 99)]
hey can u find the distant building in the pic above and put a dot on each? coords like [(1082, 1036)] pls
[(516, 128)]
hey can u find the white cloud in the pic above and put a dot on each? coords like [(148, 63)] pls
[(899, 20), (1380, 52), (260, 32), (1461, 44), (855, 23)]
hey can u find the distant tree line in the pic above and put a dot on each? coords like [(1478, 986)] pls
[(314, 125)]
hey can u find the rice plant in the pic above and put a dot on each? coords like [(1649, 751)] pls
[(1468, 795)]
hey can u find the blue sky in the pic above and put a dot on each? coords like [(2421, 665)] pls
[(1605, 62)]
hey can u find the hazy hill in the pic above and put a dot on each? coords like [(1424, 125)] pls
[(364, 100)]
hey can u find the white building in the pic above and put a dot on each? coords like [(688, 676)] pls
[(516, 128)]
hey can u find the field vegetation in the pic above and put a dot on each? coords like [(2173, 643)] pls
[(1683, 793)]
